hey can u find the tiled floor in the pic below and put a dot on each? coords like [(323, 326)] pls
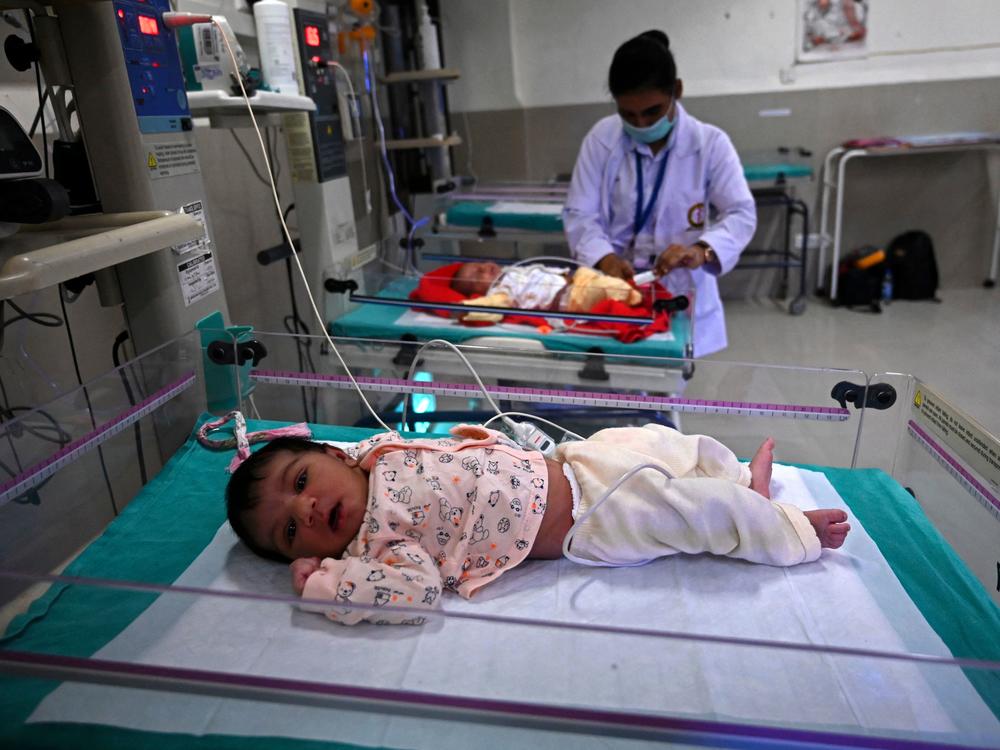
[(953, 346)]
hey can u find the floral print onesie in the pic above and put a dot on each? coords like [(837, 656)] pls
[(452, 513)]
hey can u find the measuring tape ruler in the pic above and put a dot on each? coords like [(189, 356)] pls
[(38, 473), (972, 485), (548, 396)]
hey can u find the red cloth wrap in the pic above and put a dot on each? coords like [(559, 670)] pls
[(435, 286)]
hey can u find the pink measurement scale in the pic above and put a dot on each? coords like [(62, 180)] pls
[(550, 396), (38, 473)]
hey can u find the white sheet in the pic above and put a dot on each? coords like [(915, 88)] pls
[(848, 598), (516, 207)]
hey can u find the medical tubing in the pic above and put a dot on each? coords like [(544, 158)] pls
[(414, 224), (468, 364), (537, 418), (288, 236), (305, 281), (355, 102), (90, 406), (568, 539), (137, 427)]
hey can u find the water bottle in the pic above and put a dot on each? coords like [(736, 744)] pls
[(887, 286)]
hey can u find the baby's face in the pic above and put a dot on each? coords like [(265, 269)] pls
[(312, 504), (475, 278)]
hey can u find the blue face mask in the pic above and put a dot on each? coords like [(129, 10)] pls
[(650, 134)]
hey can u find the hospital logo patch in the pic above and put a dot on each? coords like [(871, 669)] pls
[(696, 216)]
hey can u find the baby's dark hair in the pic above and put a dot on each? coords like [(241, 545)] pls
[(459, 283), (242, 494), (643, 62)]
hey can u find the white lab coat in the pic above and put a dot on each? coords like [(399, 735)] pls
[(702, 168)]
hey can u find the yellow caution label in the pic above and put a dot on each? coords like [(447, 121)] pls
[(918, 399), (151, 161)]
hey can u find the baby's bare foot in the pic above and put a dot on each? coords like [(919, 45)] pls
[(760, 468), (830, 525)]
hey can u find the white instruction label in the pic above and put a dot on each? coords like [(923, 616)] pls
[(172, 159), (976, 446), (196, 210), (299, 142), (198, 277)]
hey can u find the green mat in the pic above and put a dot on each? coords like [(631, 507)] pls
[(173, 519), (472, 213)]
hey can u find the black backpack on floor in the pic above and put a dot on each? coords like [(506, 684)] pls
[(914, 268), (860, 287)]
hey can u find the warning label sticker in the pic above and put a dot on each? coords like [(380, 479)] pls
[(196, 210), (171, 159), (298, 138), (198, 277), (979, 449)]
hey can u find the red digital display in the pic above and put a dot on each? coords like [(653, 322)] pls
[(148, 25), (312, 36)]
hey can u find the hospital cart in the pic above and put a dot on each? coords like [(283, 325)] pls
[(134, 617)]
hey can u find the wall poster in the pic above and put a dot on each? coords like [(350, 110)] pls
[(832, 29)]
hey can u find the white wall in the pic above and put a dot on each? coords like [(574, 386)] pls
[(527, 53)]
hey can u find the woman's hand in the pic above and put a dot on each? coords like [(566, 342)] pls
[(615, 266), (301, 570), (680, 256)]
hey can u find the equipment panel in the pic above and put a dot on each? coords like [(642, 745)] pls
[(153, 65), (313, 39)]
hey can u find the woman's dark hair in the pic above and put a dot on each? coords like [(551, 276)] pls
[(241, 492), (643, 62)]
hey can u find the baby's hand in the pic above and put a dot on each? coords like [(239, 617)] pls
[(301, 570)]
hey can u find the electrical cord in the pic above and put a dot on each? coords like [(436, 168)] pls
[(53, 433), (90, 406), (295, 325), (465, 361), (568, 539), (41, 98), (176, 19), (525, 434), (43, 318), (391, 178), (119, 341), (272, 149), (288, 237), (246, 153), (49, 320)]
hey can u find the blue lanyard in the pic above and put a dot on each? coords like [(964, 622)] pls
[(641, 213)]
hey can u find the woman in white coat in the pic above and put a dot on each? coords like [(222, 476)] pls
[(656, 189)]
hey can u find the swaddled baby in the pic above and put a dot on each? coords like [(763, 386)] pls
[(538, 287)]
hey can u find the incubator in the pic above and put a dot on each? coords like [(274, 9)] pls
[(132, 613)]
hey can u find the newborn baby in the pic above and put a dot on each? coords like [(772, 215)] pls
[(539, 287)]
